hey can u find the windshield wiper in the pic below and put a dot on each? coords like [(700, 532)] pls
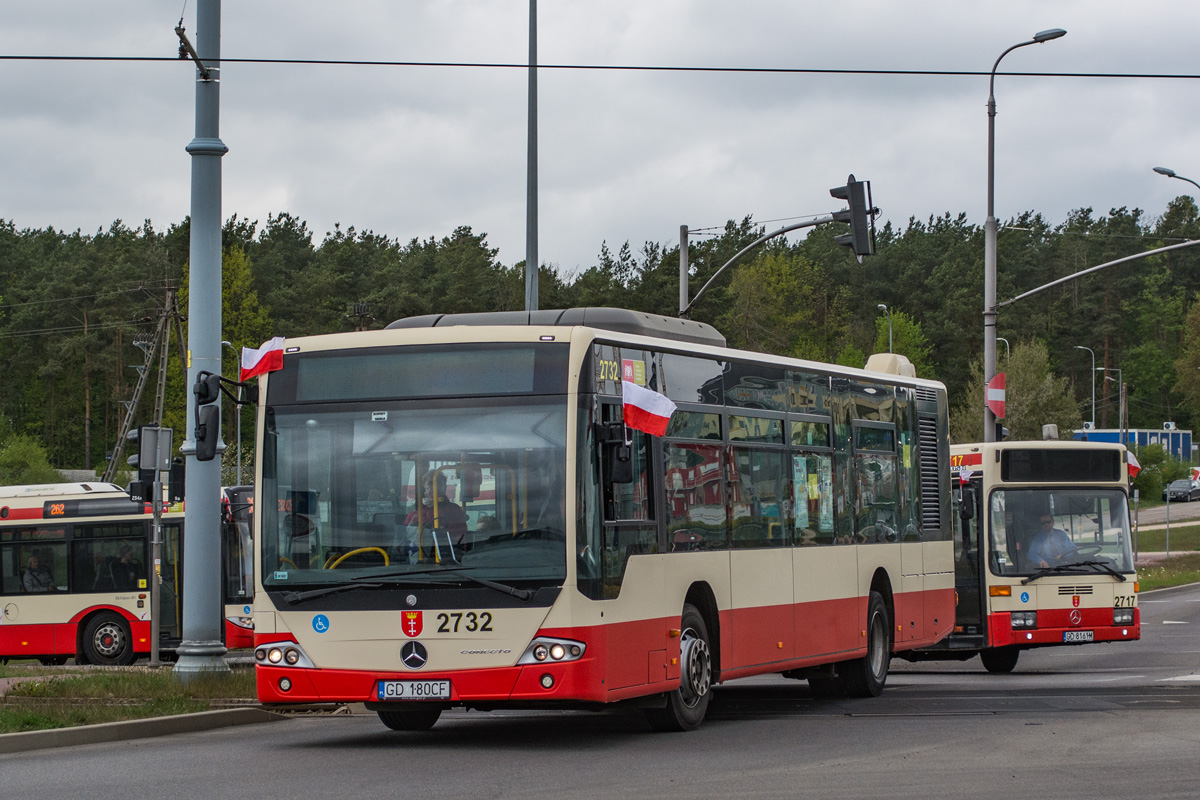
[(291, 598), (1102, 565), (1070, 568), (520, 594)]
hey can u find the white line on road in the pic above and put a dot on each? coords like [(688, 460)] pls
[(1174, 622)]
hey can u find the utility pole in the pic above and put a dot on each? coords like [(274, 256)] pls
[(531, 177), (202, 652)]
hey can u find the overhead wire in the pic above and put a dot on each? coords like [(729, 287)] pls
[(621, 67)]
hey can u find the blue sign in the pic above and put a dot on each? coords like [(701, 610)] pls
[(1024, 597), (320, 623), (246, 610)]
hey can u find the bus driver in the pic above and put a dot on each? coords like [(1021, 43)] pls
[(1051, 546)]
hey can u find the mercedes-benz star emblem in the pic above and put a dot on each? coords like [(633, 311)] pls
[(414, 655), (1076, 617), (411, 599)]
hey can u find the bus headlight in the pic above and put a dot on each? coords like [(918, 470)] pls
[(1024, 619), (1122, 616), (544, 649), (287, 654)]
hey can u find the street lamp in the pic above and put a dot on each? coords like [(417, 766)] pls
[(1170, 173), (884, 309), (989, 240), (1007, 352), (1120, 397), (1093, 373), (238, 426)]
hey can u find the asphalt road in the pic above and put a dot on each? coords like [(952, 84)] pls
[(1095, 721), (1180, 512)]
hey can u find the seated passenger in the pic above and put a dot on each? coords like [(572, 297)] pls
[(37, 577), (449, 516)]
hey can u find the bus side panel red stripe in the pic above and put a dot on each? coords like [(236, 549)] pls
[(26, 641)]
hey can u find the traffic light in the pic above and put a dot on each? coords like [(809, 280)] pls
[(860, 215), (152, 454), (208, 415)]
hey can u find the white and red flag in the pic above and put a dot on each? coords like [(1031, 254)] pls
[(1134, 466), (645, 409), (267, 358)]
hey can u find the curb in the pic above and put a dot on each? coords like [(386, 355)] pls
[(134, 729)]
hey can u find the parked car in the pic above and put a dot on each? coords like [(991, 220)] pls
[(1182, 489)]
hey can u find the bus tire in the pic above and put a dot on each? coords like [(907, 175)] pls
[(865, 677), (107, 641), (412, 717), (999, 659), (687, 705)]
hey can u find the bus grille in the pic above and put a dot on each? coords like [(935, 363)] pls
[(931, 473), (1070, 590)]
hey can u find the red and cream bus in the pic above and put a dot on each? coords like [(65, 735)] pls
[(1043, 550), (452, 514), (74, 580)]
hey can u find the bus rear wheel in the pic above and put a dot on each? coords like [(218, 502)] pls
[(687, 705), (414, 717), (1000, 659), (865, 677), (106, 641)]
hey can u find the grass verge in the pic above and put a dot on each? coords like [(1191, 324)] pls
[(59, 698), (1173, 571), (1183, 537)]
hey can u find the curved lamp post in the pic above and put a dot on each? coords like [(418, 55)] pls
[(884, 309), (1093, 377), (989, 241), (1170, 173), (1119, 381)]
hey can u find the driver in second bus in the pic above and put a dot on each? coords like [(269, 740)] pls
[(1051, 546)]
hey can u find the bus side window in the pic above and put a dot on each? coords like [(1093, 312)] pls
[(628, 507)]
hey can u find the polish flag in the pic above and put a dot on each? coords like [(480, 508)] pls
[(267, 358), (645, 409), (1134, 466)]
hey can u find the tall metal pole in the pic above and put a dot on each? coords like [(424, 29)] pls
[(201, 651), (531, 178), (1092, 376), (989, 236), (683, 268)]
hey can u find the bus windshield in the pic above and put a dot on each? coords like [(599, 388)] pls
[(390, 488), (1066, 530)]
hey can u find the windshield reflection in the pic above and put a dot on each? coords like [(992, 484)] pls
[(404, 487), (1060, 530)]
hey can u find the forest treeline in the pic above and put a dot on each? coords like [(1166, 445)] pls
[(74, 307)]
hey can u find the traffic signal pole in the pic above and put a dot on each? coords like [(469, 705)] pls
[(861, 239), (202, 652)]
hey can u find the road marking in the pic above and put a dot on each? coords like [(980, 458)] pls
[(1182, 678), (1174, 622)]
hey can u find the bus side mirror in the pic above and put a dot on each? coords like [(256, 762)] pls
[(966, 503), (616, 454)]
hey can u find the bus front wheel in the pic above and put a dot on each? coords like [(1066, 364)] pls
[(106, 641), (865, 677), (1000, 659), (414, 717), (687, 705)]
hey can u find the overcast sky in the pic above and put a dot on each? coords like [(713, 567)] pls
[(413, 152)]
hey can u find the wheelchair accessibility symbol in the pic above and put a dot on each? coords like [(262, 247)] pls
[(320, 623), (1024, 597)]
